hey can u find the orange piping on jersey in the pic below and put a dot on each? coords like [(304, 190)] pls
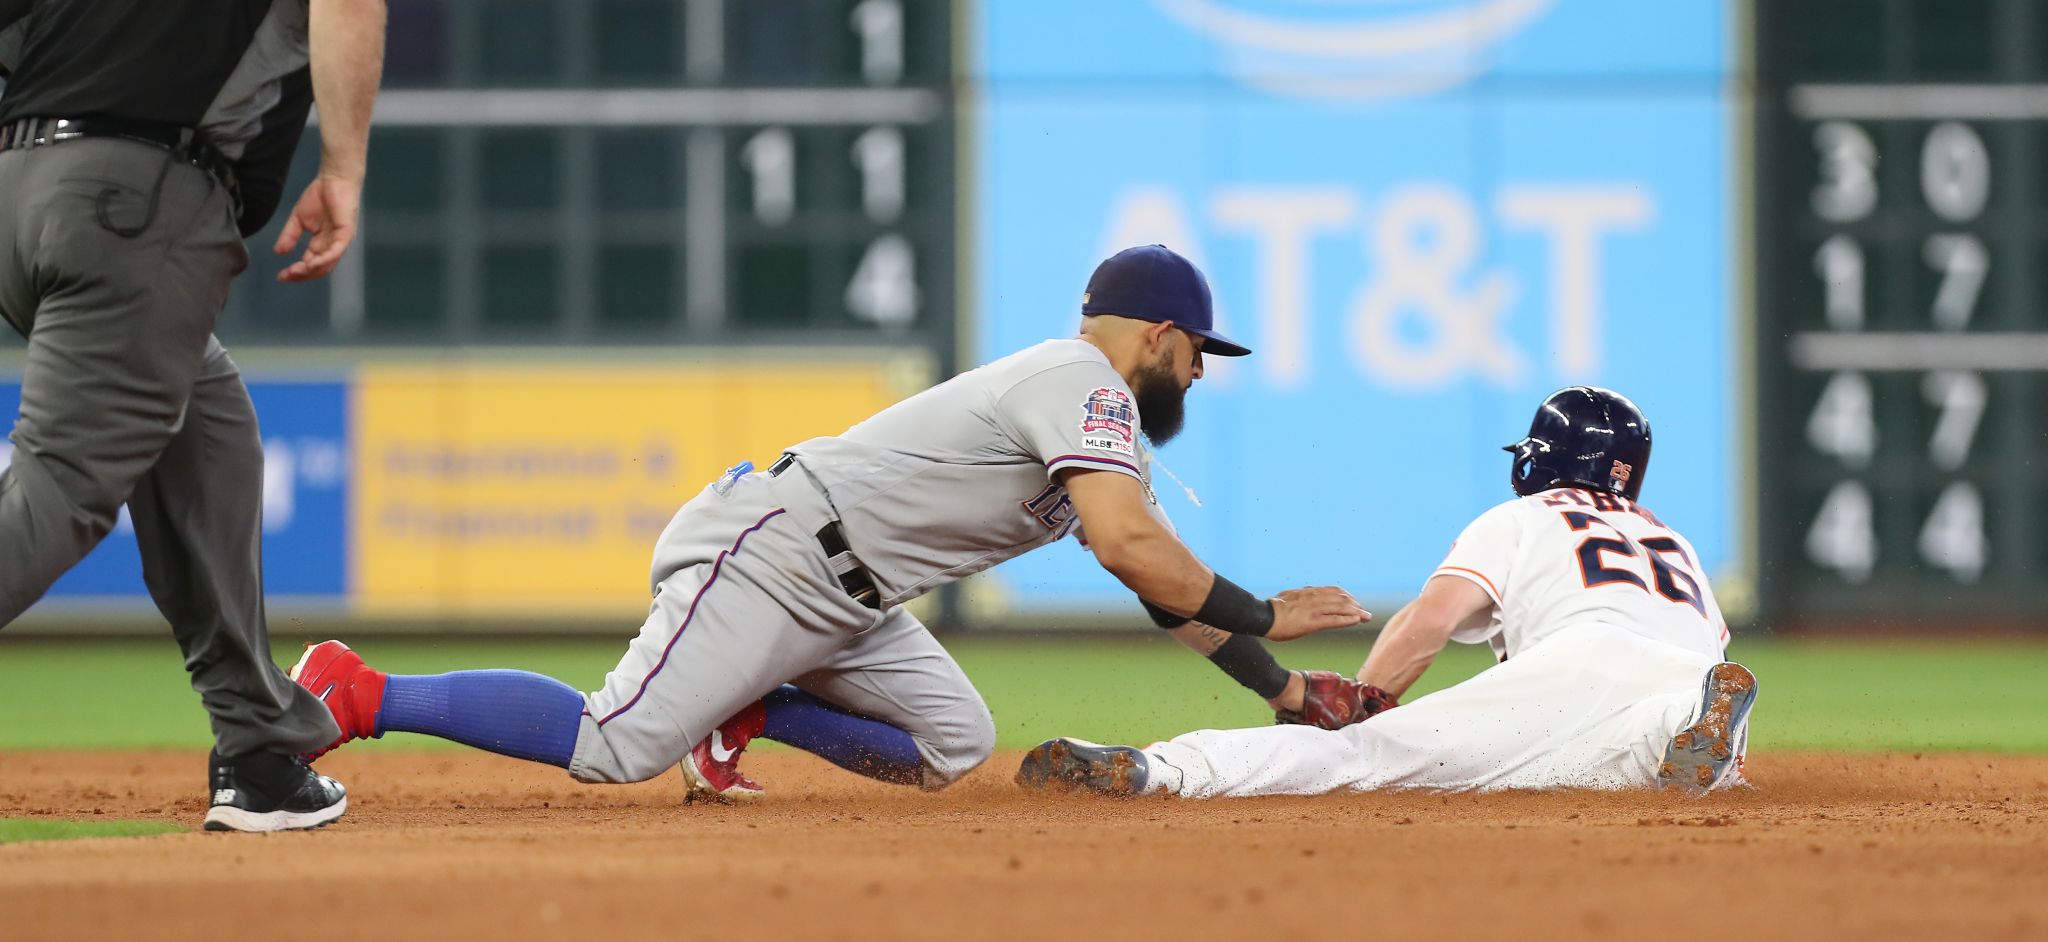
[(1490, 587)]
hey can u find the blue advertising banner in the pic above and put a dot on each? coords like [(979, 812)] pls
[(1422, 215), (305, 499)]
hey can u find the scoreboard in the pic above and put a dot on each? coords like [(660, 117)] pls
[(647, 171), (1901, 338)]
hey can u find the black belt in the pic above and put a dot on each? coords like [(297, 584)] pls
[(184, 143), (858, 584)]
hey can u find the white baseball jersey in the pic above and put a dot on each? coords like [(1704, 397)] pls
[(1569, 557), (1607, 628)]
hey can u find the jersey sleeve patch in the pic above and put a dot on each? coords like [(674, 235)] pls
[(1109, 422)]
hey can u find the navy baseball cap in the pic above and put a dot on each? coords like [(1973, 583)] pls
[(1153, 283)]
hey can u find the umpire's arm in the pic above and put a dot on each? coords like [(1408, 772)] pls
[(346, 53)]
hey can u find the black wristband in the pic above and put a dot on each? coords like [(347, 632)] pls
[(1235, 610), (1248, 662), (1164, 618)]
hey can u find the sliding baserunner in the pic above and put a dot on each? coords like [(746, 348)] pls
[(1611, 672)]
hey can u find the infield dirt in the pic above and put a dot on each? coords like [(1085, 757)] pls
[(453, 846)]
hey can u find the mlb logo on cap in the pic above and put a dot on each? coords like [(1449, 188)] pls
[(1154, 283)]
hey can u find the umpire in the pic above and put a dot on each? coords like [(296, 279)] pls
[(140, 142)]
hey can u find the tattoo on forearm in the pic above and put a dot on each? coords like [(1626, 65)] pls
[(1213, 637)]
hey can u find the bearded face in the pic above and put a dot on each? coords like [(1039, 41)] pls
[(1162, 401)]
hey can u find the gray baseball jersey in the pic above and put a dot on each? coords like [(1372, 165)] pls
[(944, 484), (957, 478)]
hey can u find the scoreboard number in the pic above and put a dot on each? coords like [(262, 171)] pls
[(883, 289), (1848, 172), (1843, 423), (878, 153), (1843, 537), (880, 25), (1963, 263), (1953, 536), (1961, 398), (1955, 171), (1839, 263), (770, 157)]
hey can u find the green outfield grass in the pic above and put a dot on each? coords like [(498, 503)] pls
[(1872, 695), (13, 830)]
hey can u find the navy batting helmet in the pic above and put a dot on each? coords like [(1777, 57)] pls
[(1583, 435)]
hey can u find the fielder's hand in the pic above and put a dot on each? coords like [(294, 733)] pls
[(1332, 701), (1298, 613), (327, 212)]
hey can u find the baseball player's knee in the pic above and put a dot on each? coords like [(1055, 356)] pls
[(639, 767), (965, 738), (598, 758)]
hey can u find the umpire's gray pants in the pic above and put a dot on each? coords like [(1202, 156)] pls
[(744, 602), (127, 397)]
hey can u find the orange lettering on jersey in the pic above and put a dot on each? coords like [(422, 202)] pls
[(1564, 495)]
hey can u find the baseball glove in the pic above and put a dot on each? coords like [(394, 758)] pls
[(1333, 701)]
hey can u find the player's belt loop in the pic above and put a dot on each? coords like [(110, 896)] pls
[(853, 578), (839, 556)]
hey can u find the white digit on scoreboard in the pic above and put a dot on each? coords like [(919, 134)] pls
[(1963, 262), (1953, 536), (884, 285), (1961, 397), (770, 157), (1848, 179), (1842, 423), (1843, 537), (880, 25), (1839, 263), (1955, 171), (878, 152)]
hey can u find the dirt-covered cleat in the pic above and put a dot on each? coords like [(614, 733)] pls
[(1077, 764), (1702, 754), (263, 791)]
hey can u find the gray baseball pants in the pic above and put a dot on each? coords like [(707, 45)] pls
[(128, 398), (744, 601)]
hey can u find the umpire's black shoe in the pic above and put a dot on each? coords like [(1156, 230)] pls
[(1077, 764), (264, 791)]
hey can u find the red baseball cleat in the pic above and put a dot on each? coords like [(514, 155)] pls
[(712, 768), (352, 691)]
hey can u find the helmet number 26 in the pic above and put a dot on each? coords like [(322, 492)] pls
[(1673, 580)]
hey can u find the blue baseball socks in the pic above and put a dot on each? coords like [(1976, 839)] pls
[(846, 739), (536, 717), (512, 713)]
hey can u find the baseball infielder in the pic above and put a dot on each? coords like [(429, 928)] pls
[(1610, 643), (798, 574)]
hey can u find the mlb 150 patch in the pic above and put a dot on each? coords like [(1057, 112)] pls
[(1108, 422)]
